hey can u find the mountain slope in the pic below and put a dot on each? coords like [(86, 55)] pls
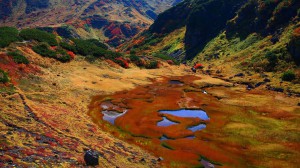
[(113, 21), (253, 36)]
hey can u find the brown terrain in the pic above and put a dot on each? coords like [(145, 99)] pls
[(54, 115)]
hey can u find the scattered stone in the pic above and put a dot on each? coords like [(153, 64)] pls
[(218, 71), (276, 89), (259, 84), (267, 80), (153, 161), (208, 72), (91, 157), (239, 75), (160, 159), (54, 84), (299, 104), (10, 162), (143, 160), (250, 87)]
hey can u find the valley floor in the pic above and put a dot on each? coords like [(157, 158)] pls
[(46, 122)]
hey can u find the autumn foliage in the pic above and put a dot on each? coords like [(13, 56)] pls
[(71, 54)]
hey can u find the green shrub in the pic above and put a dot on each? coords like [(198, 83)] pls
[(288, 76), (152, 65), (134, 58), (39, 35), (90, 58), (84, 47), (68, 47), (8, 35), (165, 57), (272, 59), (132, 51), (43, 50), (18, 58), (112, 55), (90, 47), (99, 52), (3, 77), (97, 43), (62, 56)]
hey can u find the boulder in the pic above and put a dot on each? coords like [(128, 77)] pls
[(259, 84), (239, 75), (91, 157), (267, 80)]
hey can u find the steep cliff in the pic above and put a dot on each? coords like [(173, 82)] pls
[(204, 21)]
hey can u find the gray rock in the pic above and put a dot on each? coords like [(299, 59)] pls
[(91, 157)]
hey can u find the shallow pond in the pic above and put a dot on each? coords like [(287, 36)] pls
[(175, 82), (187, 113), (165, 122), (111, 116), (197, 127)]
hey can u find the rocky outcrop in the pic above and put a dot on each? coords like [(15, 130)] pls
[(262, 17), (294, 45), (206, 21)]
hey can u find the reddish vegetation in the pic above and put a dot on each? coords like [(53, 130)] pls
[(297, 32), (112, 63), (137, 122), (53, 48), (16, 71), (170, 62), (71, 54), (198, 66), (124, 63), (144, 102)]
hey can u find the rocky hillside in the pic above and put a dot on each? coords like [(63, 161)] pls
[(112, 21), (255, 35)]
